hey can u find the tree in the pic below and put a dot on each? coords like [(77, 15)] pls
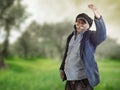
[(47, 40), (54, 38), (108, 49), (29, 45), (12, 14)]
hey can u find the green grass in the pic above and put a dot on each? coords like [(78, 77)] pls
[(43, 74), (110, 75)]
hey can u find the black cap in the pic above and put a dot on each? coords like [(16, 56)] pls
[(86, 17)]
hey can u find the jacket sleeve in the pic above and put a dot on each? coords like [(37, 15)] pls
[(66, 49), (100, 34), (64, 57)]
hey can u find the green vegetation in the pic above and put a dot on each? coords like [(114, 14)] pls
[(110, 75), (43, 74)]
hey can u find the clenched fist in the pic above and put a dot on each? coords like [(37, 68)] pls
[(95, 10)]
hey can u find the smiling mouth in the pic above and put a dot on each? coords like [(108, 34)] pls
[(81, 27)]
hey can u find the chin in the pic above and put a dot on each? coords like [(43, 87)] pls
[(80, 30)]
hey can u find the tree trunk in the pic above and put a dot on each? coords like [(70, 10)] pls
[(2, 64), (3, 53), (5, 46)]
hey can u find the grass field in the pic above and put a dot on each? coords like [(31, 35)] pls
[(43, 74)]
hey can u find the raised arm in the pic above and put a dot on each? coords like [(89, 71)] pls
[(95, 11), (100, 34)]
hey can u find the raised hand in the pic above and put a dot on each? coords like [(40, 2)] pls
[(95, 10), (91, 6)]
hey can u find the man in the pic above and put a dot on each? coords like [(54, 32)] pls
[(78, 66)]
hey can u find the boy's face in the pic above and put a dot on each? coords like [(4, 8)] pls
[(81, 25)]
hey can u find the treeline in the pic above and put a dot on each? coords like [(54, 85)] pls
[(108, 49), (48, 40)]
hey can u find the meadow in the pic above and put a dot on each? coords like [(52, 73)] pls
[(43, 74)]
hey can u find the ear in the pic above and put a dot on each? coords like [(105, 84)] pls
[(86, 26)]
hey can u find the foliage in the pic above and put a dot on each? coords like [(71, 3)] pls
[(108, 49), (28, 44), (49, 41), (43, 40), (13, 12)]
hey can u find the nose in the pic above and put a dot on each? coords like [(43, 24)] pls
[(79, 24)]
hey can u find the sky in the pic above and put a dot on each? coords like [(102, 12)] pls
[(53, 11)]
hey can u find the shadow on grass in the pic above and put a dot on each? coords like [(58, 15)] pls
[(17, 68)]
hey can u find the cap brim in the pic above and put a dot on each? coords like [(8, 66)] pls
[(82, 19)]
